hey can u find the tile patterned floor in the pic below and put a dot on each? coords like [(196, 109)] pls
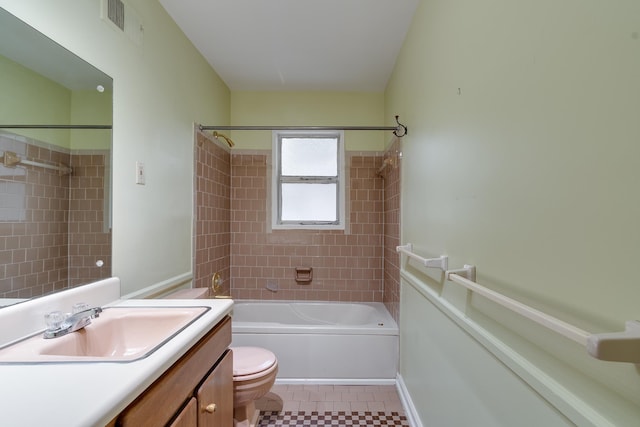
[(331, 405), (364, 419)]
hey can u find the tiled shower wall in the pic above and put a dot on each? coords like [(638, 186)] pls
[(35, 233), (391, 175), (347, 266), (232, 236), (212, 242)]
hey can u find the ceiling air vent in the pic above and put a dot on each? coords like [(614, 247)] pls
[(122, 17), (115, 13)]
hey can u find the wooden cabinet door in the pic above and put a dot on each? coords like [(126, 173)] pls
[(215, 396), (164, 398), (188, 417)]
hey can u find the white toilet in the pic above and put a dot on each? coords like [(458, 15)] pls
[(254, 372)]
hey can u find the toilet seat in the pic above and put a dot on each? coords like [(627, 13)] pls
[(252, 362), (254, 373)]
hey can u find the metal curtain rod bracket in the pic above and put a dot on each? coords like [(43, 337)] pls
[(400, 130), (441, 262), (56, 127)]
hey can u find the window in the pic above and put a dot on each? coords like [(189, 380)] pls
[(308, 183)]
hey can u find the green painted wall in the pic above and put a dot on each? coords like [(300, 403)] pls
[(90, 107), (523, 159), (29, 98), (308, 109)]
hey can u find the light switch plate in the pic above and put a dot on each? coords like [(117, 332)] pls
[(140, 175)]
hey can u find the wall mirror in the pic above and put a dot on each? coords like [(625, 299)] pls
[(55, 177)]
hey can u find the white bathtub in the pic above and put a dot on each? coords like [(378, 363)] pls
[(322, 342)]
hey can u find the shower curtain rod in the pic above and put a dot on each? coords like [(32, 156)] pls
[(56, 127), (399, 130)]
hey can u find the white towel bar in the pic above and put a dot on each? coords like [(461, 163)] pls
[(616, 346), (537, 316), (442, 262), (11, 159)]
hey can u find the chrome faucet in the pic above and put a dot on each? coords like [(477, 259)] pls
[(72, 323)]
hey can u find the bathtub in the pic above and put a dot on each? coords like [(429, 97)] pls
[(321, 342)]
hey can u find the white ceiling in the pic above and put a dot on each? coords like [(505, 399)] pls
[(297, 45)]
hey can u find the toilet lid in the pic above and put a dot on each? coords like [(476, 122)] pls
[(251, 360)]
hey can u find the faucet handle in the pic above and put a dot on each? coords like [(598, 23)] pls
[(54, 319), (78, 307)]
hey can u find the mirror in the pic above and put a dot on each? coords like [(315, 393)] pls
[(55, 174)]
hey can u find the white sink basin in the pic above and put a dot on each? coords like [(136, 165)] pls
[(120, 334)]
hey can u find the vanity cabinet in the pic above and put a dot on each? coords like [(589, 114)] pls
[(188, 417), (215, 397), (196, 391)]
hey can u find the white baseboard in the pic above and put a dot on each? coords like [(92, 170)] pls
[(407, 403)]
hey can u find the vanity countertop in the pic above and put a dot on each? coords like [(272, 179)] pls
[(92, 394)]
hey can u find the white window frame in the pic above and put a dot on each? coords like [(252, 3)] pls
[(276, 223)]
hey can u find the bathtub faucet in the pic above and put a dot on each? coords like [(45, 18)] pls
[(216, 283), (71, 323)]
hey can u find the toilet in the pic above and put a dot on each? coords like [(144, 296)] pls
[(254, 372)]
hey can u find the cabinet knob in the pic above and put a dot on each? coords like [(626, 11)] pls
[(211, 408)]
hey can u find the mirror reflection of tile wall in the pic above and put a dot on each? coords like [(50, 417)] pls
[(89, 231), (52, 230)]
